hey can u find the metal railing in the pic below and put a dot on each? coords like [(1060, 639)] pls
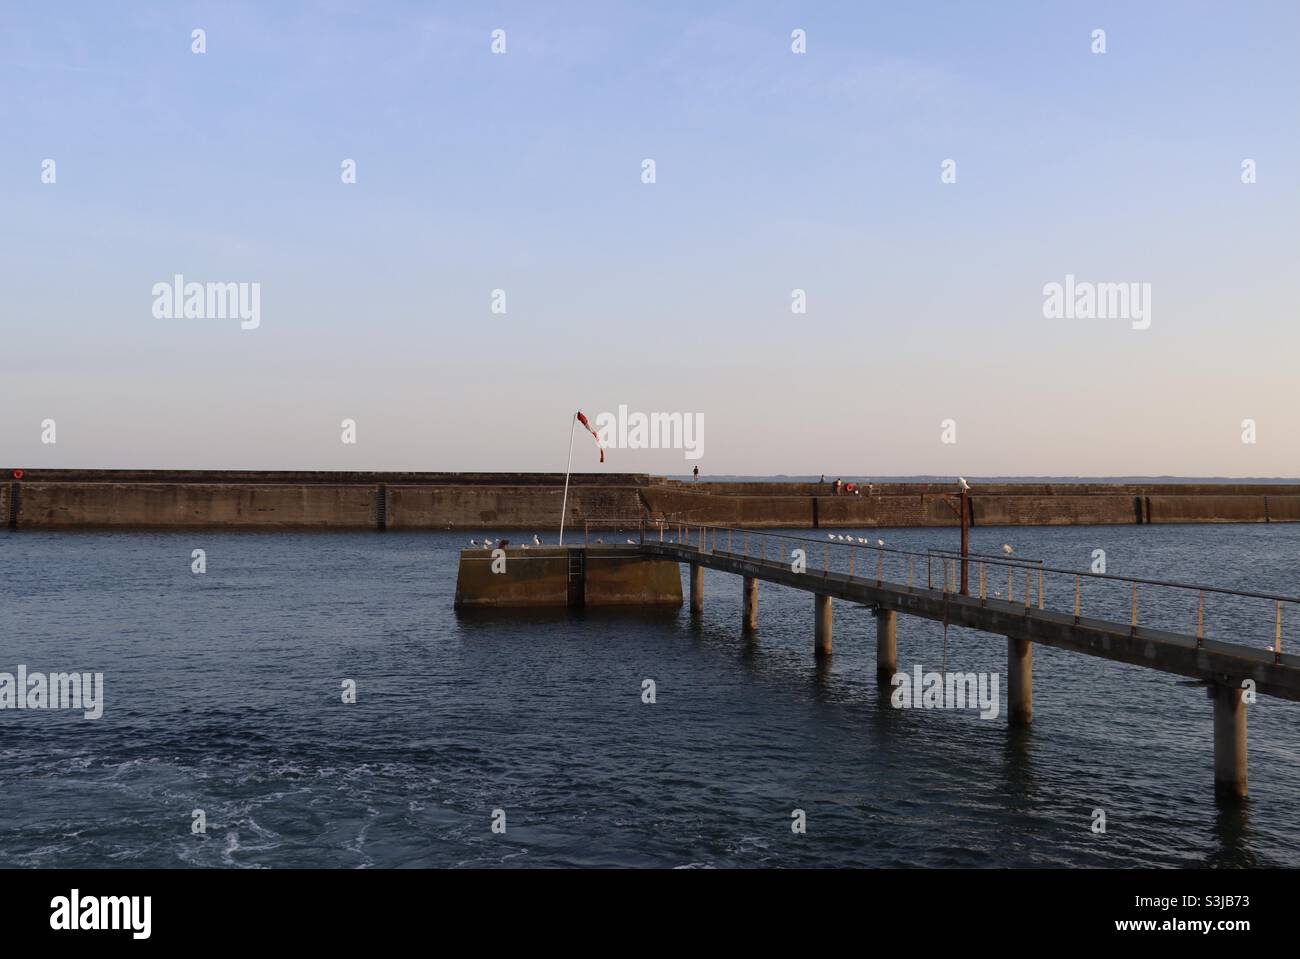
[(1030, 584), (623, 530)]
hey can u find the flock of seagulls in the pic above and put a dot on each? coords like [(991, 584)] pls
[(853, 539), (501, 544)]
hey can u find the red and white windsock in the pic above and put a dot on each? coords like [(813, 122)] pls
[(596, 436)]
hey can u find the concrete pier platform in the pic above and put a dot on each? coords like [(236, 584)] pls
[(557, 576)]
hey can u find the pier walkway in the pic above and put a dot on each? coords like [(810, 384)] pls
[(1067, 609)]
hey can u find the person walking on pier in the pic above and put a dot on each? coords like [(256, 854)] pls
[(696, 474)]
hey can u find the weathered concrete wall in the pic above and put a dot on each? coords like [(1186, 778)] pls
[(1282, 509), (1053, 510), (72, 505), (538, 577), (531, 502), (620, 580), (1211, 509), (755, 511), (505, 507)]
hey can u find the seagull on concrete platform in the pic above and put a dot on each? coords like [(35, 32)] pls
[(536, 540), (1006, 548), (965, 487), (487, 544)]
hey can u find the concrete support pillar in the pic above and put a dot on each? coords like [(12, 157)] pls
[(1230, 779), (1020, 681), (886, 643), (697, 589), (750, 604), (822, 605)]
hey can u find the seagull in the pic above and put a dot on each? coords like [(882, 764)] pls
[(830, 535), (633, 542), (536, 540), (1006, 548), (880, 542), (965, 487), (487, 544), (473, 542), (601, 542)]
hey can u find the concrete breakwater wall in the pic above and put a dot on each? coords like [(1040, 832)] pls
[(72, 499), (542, 576)]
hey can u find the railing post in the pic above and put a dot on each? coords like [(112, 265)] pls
[(1040, 587), (1078, 597), (1200, 619), (880, 564), (1277, 638), (1134, 622), (911, 564), (984, 593), (853, 553)]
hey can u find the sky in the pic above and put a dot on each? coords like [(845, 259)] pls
[(924, 347)]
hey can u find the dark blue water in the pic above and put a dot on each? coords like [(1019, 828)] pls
[(223, 694)]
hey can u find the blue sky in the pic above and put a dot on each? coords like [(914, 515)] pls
[(775, 171)]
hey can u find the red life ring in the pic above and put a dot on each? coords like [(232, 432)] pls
[(18, 474)]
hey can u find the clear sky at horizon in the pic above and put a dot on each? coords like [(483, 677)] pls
[(775, 171)]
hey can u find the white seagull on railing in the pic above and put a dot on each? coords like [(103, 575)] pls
[(880, 542), (537, 540), (965, 487), (1006, 548)]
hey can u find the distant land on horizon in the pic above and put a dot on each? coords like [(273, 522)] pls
[(976, 480)]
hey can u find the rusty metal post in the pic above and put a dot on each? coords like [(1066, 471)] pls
[(965, 541)]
